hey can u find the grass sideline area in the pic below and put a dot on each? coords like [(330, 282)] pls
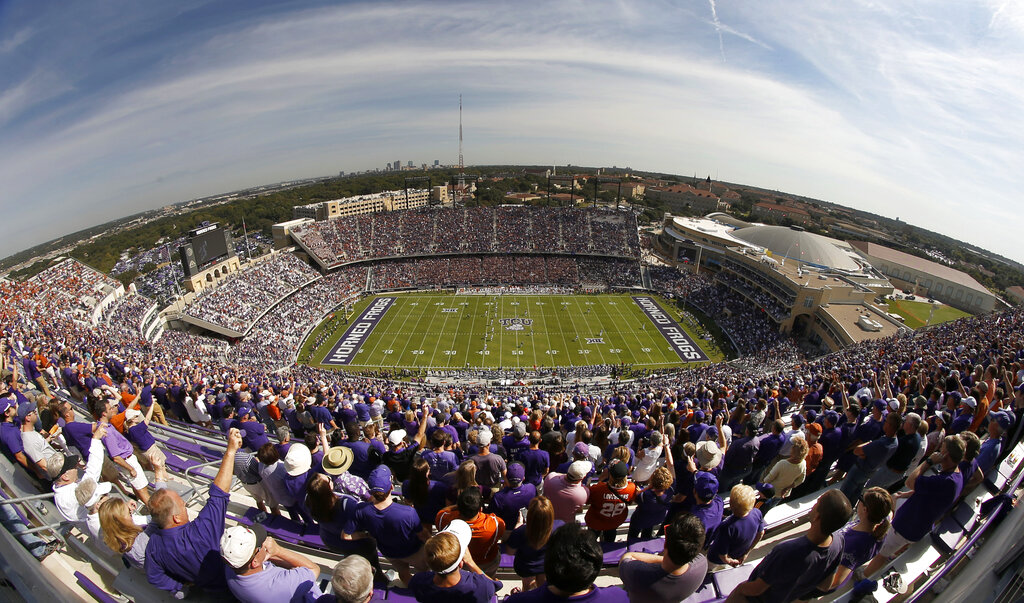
[(443, 330), (915, 313)]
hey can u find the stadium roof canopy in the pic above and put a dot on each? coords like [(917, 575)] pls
[(797, 244)]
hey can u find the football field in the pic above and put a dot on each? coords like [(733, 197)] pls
[(441, 331)]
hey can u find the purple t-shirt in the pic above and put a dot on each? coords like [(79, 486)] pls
[(735, 535), (795, 567), (440, 462), (139, 435), (78, 435), (536, 463), (933, 495), (472, 588), (528, 560), (710, 514), (117, 445), (274, 585), (649, 583), (507, 502), (190, 553), (437, 495), (859, 547), (342, 521), (395, 528), (609, 594), (652, 509), (10, 435)]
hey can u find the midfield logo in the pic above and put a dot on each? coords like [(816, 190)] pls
[(591, 340), (516, 324)]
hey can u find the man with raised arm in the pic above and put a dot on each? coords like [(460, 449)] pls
[(188, 552)]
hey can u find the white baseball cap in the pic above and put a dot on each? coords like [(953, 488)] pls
[(239, 544), (396, 436), (464, 534)]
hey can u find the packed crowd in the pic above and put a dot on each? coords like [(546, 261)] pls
[(69, 289), (429, 231), (499, 270), (918, 416), (127, 312), (274, 340), (247, 294)]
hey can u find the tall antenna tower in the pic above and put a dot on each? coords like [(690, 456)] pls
[(462, 175)]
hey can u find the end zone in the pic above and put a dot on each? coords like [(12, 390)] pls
[(348, 346), (677, 338)]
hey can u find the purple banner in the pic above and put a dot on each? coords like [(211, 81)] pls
[(348, 346), (676, 336)]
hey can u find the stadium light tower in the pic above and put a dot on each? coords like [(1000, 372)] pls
[(462, 171)]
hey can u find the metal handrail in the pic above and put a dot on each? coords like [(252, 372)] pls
[(962, 552)]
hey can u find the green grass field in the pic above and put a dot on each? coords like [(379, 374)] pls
[(448, 331), (915, 313)]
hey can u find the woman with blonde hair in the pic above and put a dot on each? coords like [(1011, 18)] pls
[(121, 531), (528, 543)]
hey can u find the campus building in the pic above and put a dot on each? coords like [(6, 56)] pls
[(930, 279), (363, 204), (682, 196), (812, 286)]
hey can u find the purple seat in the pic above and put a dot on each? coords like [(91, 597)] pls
[(653, 546), (705, 594), (727, 580), (90, 587), (283, 528), (947, 535), (613, 552)]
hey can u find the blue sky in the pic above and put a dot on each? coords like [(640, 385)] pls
[(906, 109)]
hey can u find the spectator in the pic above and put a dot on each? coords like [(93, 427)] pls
[(507, 502), (794, 568), (871, 456), (676, 573), (335, 517), (928, 498), (863, 539), (352, 582), (536, 461), (36, 445), (653, 506), (528, 543), (184, 550), (571, 565), (739, 533), (453, 575), (39, 548), (490, 468), (124, 531), (396, 528), (609, 500), (488, 528), (648, 459), (63, 470), (709, 506), (427, 496), (136, 427), (787, 473), (263, 571), (567, 492), (908, 443), (120, 450)]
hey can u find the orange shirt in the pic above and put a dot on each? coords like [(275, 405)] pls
[(487, 528), (608, 506)]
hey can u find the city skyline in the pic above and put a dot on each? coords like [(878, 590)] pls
[(896, 109)]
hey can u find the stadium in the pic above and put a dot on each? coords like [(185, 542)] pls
[(707, 353)]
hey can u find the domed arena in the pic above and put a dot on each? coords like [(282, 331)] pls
[(305, 398)]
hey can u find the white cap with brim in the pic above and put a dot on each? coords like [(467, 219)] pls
[(464, 533), (298, 460), (238, 545)]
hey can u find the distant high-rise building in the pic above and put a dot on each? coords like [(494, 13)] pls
[(398, 164), (410, 164), (437, 163)]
